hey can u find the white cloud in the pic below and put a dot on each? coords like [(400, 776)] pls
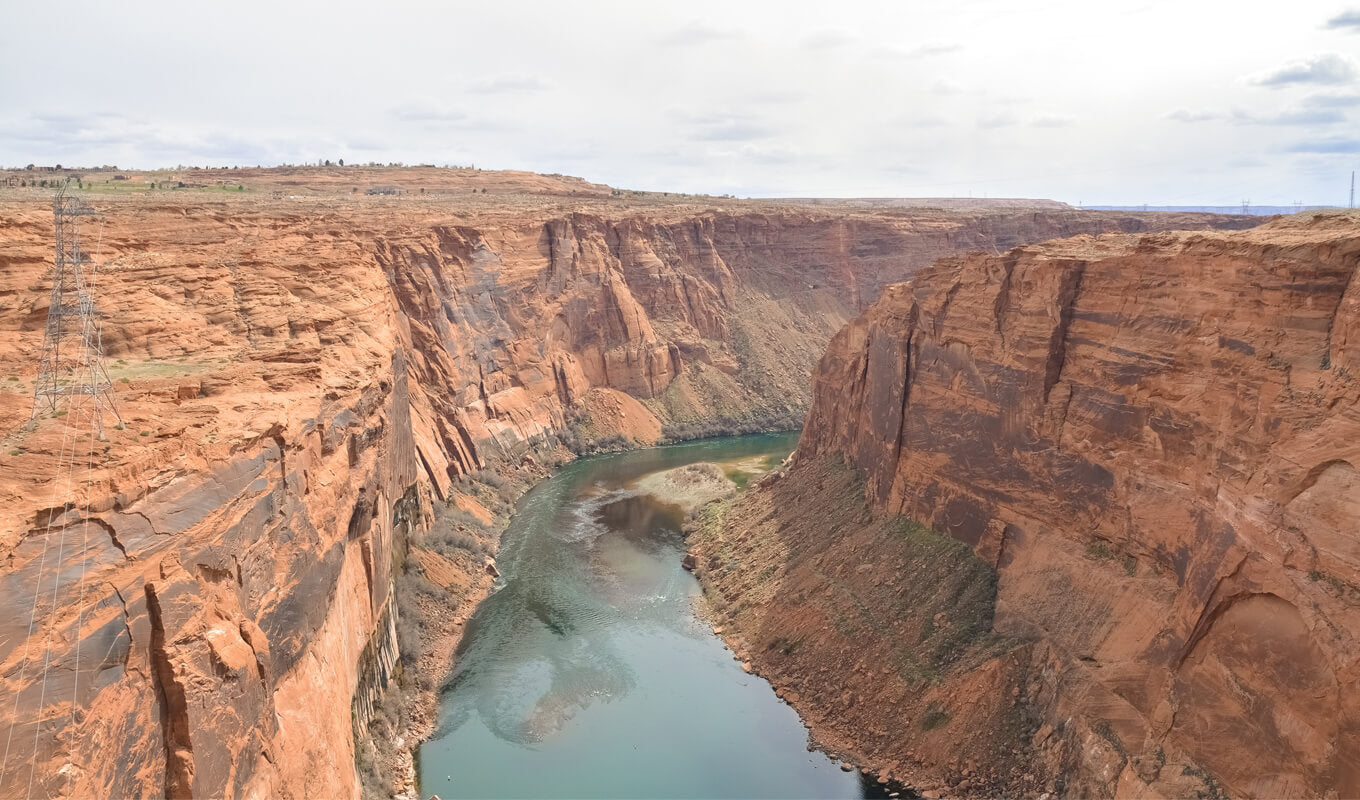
[(723, 127), (773, 154), (999, 119), (829, 40), (1330, 146), (872, 99), (695, 34), (429, 111), (1332, 100), (1185, 115), (507, 84), (1346, 20), (1301, 116), (1327, 69), (922, 50), (1050, 120)]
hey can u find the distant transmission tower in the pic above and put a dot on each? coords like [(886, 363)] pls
[(72, 360)]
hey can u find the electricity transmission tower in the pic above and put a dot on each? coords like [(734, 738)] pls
[(72, 360)]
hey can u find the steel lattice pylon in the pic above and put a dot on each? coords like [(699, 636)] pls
[(72, 360)]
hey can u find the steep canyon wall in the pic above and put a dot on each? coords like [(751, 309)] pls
[(301, 382), (1149, 443)]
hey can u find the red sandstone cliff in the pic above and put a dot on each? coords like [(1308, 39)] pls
[(301, 380), (1153, 442)]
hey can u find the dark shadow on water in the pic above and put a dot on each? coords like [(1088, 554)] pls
[(560, 624), (647, 523)]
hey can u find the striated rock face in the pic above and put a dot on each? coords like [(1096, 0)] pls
[(211, 644), (711, 315), (302, 380), (1154, 440)]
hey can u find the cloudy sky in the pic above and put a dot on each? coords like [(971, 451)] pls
[(1186, 102)]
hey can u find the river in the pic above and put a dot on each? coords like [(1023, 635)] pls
[(587, 674)]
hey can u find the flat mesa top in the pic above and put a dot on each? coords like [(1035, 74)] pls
[(506, 190), (465, 194)]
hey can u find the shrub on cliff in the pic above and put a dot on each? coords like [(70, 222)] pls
[(728, 426)]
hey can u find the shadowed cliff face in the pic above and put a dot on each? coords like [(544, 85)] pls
[(302, 381), (717, 315), (1154, 441)]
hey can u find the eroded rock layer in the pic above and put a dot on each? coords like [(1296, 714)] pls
[(1154, 441), (302, 379)]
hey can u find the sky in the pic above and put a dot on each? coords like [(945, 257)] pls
[(1193, 102)]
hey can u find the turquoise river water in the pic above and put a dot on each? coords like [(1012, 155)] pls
[(587, 673)]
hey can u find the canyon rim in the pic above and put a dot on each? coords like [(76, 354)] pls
[(324, 393)]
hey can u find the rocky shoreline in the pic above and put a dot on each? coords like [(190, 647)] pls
[(1051, 531), (457, 558), (826, 627)]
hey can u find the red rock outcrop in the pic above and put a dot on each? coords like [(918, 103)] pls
[(302, 379), (1154, 441)]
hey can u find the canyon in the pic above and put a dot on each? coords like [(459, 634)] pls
[(1079, 518), (308, 378)]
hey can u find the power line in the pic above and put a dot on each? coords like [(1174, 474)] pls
[(71, 367), (72, 362)]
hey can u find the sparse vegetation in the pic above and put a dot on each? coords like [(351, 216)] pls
[(1339, 586), (727, 426), (372, 754), (934, 718), (1100, 550), (950, 607), (1211, 790), (579, 437), (960, 610), (1103, 729), (455, 530), (123, 372), (461, 541)]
